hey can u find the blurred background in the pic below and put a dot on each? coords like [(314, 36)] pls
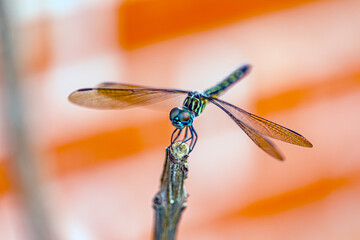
[(71, 173)]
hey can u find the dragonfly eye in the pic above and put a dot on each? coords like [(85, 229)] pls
[(181, 118), (174, 112), (184, 116)]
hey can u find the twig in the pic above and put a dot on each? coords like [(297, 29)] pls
[(170, 201)]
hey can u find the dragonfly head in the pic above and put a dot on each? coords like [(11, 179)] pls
[(181, 117)]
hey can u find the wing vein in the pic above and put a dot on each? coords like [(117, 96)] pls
[(111, 96), (261, 141), (263, 126)]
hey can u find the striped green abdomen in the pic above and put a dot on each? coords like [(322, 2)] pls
[(227, 82)]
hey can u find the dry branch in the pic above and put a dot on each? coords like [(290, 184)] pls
[(170, 201)]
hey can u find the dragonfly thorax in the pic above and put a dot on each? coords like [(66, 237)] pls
[(195, 102), (181, 117)]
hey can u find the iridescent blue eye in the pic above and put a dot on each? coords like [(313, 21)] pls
[(174, 112)]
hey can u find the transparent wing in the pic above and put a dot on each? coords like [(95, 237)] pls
[(121, 96), (263, 126), (261, 141)]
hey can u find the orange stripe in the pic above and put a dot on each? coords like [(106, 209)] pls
[(145, 22), (295, 198), (109, 146), (322, 90), (5, 184), (91, 151)]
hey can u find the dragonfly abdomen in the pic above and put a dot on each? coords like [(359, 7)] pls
[(227, 82)]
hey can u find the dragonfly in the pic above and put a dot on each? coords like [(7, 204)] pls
[(112, 95)]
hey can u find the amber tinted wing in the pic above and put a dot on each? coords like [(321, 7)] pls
[(121, 96), (263, 126), (261, 141)]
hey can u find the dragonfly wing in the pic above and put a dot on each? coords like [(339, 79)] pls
[(119, 85), (111, 97), (263, 126), (261, 141)]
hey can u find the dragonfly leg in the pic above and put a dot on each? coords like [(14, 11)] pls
[(194, 137), (186, 133), (191, 137), (177, 135)]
